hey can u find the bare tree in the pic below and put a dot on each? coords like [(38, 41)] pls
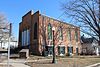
[(86, 14), (4, 29)]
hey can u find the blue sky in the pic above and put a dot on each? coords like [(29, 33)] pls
[(15, 9)]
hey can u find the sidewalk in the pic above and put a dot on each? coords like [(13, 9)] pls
[(94, 65), (16, 63)]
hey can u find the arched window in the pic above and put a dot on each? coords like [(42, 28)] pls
[(69, 34), (35, 31), (76, 35), (60, 33), (49, 31)]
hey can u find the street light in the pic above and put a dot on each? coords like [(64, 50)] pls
[(53, 61)]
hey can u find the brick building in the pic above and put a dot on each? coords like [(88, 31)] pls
[(35, 33)]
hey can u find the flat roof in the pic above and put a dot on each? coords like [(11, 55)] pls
[(1, 49), (60, 21), (24, 50), (31, 11)]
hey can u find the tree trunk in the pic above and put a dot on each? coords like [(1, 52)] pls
[(99, 41)]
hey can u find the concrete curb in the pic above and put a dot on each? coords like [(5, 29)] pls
[(93, 65)]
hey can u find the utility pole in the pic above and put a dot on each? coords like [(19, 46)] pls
[(10, 30), (8, 51)]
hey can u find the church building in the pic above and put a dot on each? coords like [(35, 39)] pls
[(36, 34)]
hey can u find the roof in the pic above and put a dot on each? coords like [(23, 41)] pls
[(87, 40), (24, 50), (3, 49), (60, 21)]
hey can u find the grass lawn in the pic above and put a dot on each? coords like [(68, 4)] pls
[(64, 62)]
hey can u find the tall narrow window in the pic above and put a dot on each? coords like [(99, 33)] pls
[(35, 31), (22, 38), (69, 34), (49, 31), (60, 33), (25, 37), (76, 35), (28, 37)]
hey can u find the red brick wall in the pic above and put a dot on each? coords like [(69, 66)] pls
[(56, 24), (30, 19), (25, 24)]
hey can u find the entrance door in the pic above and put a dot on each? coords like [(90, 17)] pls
[(50, 50), (76, 51)]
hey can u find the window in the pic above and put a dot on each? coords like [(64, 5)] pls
[(76, 35), (60, 33), (25, 35), (22, 38), (70, 50), (69, 34), (49, 31), (61, 50), (28, 37), (77, 51), (35, 31)]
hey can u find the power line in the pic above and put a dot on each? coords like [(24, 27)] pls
[(61, 15)]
